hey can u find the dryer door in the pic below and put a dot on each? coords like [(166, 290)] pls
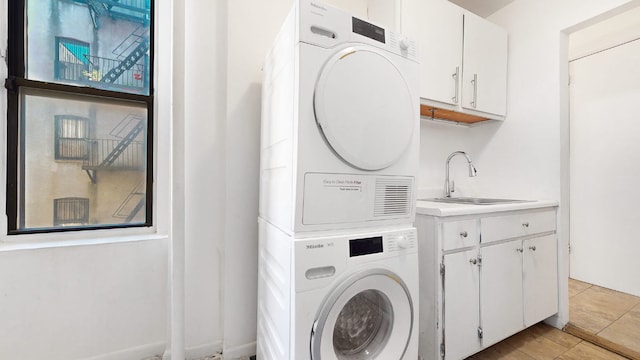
[(368, 317), (364, 108)]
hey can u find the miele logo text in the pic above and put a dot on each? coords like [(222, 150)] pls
[(318, 6), (315, 246)]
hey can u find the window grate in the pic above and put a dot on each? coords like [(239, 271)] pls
[(70, 211), (71, 136)]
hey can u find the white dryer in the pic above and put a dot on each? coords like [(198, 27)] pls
[(343, 297), (340, 124)]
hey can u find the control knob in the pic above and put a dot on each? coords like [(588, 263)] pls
[(404, 44), (402, 242)]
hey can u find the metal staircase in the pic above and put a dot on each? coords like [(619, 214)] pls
[(123, 144), (138, 41), (132, 204), (131, 50), (124, 153)]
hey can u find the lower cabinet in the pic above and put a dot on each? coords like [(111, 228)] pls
[(461, 313), (501, 291), (485, 291), (540, 277)]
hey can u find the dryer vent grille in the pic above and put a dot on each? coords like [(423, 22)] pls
[(393, 197)]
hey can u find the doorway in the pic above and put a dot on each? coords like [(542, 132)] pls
[(604, 176)]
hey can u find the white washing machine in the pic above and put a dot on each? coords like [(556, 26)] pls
[(343, 297), (340, 124)]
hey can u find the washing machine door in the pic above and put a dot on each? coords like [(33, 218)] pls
[(369, 317), (364, 107)]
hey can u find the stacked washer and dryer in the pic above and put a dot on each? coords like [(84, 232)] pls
[(338, 259)]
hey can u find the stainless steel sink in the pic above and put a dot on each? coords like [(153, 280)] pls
[(474, 201)]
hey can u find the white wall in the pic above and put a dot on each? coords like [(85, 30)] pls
[(527, 155), (252, 27), (205, 182), (98, 301)]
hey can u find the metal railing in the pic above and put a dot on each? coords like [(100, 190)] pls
[(133, 157), (92, 72)]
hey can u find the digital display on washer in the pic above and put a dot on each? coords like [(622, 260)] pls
[(366, 246), (369, 30)]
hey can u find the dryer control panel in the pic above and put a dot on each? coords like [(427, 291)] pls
[(327, 26), (367, 29)]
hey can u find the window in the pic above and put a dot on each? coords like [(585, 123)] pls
[(71, 136), (70, 211), (80, 114), (72, 60)]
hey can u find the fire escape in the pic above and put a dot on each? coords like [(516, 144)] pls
[(127, 69), (125, 151), (126, 147), (129, 10)]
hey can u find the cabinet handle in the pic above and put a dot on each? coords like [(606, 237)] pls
[(519, 250), (464, 234), (525, 224), (532, 248), (457, 84), (474, 82), (473, 261)]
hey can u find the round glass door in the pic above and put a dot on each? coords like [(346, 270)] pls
[(364, 108), (369, 317)]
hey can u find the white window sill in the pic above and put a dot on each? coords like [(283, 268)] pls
[(79, 238)]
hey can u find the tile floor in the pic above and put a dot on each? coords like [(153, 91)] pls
[(542, 342), (610, 314)]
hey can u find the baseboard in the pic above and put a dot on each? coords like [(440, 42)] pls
[(140, 352), (601, 342), (200, 351), (239, 352)]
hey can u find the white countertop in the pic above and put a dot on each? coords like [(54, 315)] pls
[(451, 209)]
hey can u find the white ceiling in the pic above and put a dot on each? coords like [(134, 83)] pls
[(483, 8)]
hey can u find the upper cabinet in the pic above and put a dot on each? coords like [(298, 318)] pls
[(484, 58), (439, 37), (463, 61)]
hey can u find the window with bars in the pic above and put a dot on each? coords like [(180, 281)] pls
[(70, 211), (72, 60), (92, 59), (71, 137)]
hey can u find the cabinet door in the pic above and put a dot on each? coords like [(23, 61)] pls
[(484, 81), (461, 308), (501, 291), (540, 278), (437, 28)]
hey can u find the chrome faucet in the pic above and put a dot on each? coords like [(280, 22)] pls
[(448, 188)]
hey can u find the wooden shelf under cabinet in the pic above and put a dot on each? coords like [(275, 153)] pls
[(441, 114)]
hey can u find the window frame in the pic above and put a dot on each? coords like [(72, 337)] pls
[(16, 80)]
